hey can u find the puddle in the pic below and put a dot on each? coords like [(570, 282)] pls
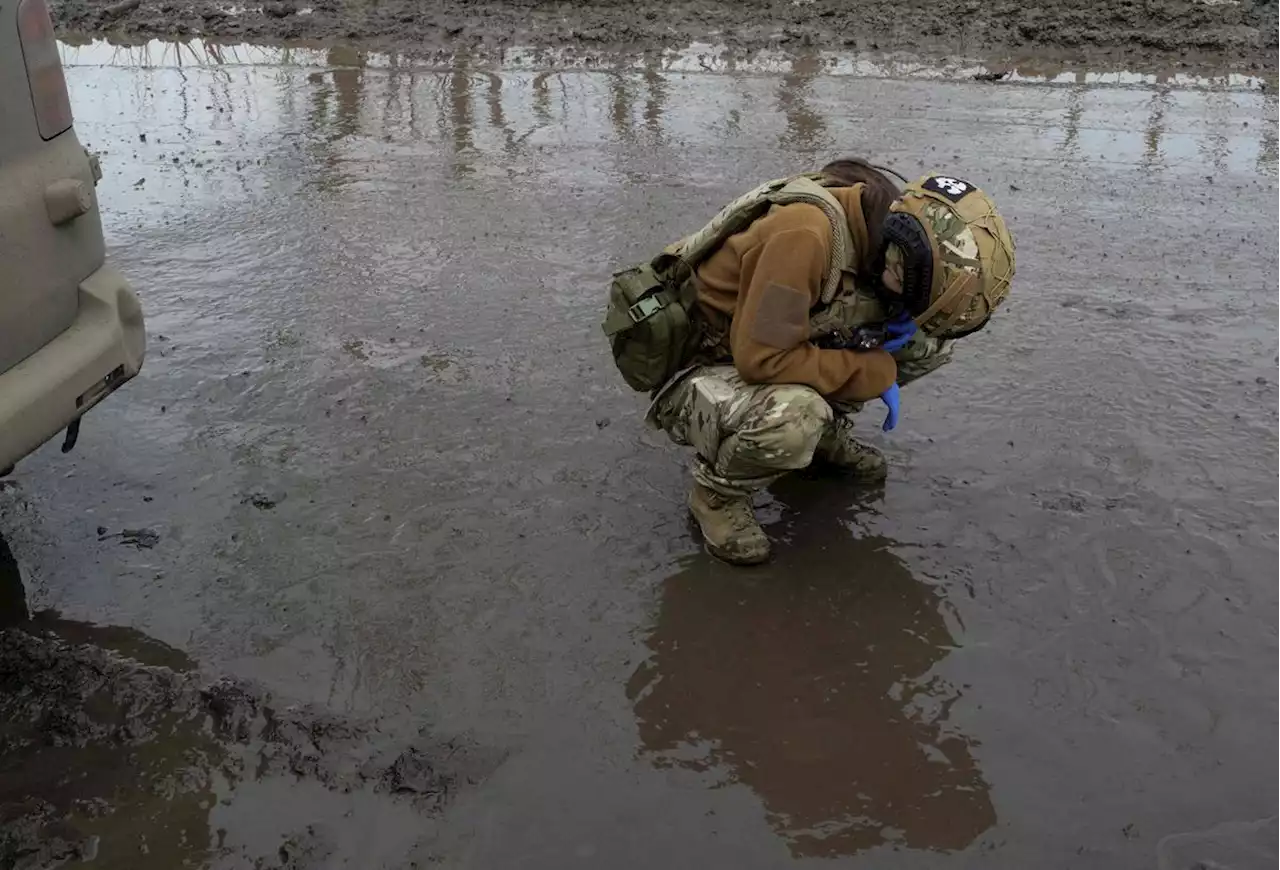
[(230, 121), (392, 472)]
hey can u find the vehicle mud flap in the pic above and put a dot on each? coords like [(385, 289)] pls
[(73, 435)]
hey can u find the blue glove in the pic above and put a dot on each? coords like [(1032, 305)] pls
[(899, 332), (891, 401)]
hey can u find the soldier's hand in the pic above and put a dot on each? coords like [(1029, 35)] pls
[(898, 332), (892, 402)]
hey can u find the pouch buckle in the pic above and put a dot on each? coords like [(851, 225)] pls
[(645, 308)]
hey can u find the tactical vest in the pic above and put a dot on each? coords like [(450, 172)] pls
[(841, 306), (652, 322)]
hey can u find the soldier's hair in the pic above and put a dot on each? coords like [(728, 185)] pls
[(877, 196)]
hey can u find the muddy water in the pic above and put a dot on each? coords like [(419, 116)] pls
[(386, 470)]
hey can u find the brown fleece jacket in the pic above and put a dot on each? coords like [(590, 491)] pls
[(766, 280)]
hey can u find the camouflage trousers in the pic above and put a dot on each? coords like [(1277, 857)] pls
[(745, 436)]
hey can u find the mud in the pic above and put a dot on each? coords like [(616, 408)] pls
[(1238, 33), (117, 752), (422, 590)]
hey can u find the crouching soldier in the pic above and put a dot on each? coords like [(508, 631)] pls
[(763, 333)]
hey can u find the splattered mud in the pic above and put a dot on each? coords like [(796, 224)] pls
[(402, 514), (1238, 33)]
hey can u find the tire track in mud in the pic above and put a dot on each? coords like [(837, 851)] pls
[(111, 759)]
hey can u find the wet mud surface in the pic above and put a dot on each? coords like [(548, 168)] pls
[(376, 566), (1239, 33)]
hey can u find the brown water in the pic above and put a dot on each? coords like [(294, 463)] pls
[(395, 477)]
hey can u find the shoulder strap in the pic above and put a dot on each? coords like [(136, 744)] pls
[(806, 189), (690, 252)]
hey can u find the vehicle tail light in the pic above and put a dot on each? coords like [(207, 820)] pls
[(44, 69)]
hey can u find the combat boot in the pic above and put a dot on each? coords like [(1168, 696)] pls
[(729, 526), (861, 461)]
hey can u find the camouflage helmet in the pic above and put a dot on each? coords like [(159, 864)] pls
[(962, 253)]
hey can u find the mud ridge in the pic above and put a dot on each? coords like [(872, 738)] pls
[(1237, 32)]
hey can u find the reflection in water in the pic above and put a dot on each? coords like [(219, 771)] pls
[(622, 86), (655, 104), (334, 113), (352, 93), (695, 58), (161, 53), (620, 106), (461, 119), (1269, 148), (497, 118), (1071, 123), (806, 130), (1215, 146), (346, 85), (393, 105), (811, 682), (542, 99), (1160, 102), (336, 96)]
